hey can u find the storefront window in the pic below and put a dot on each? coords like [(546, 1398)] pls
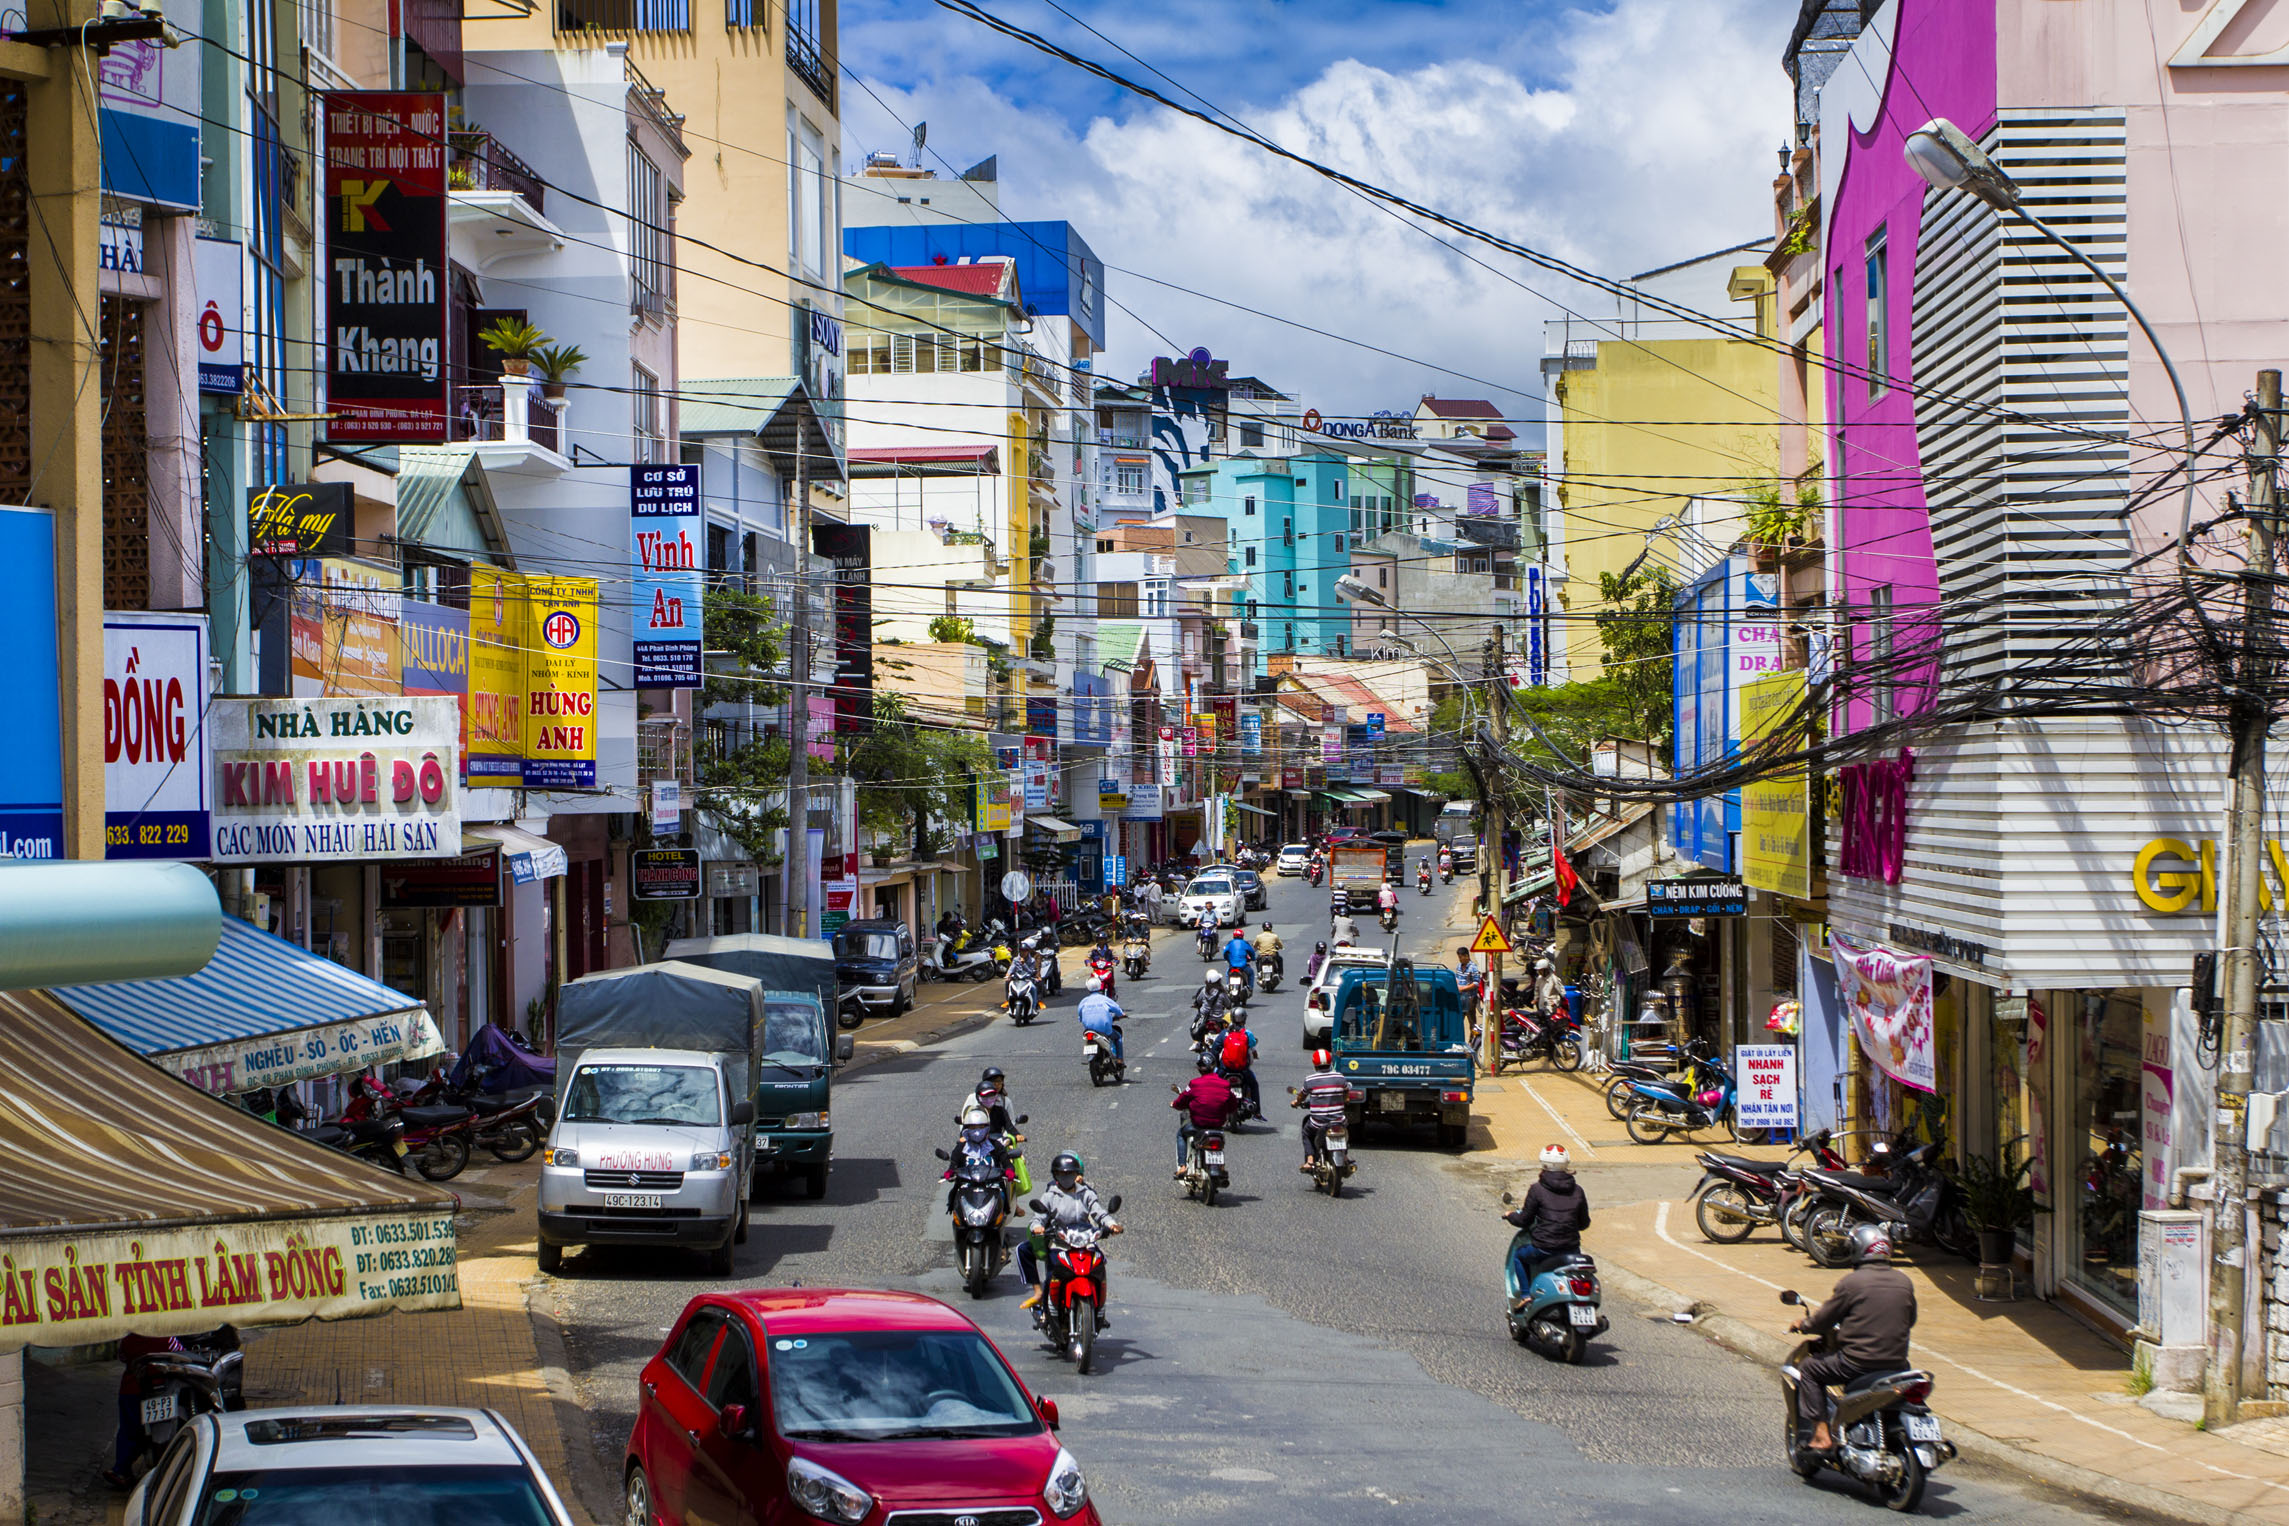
[(2007, 1083), (2107, 1089)]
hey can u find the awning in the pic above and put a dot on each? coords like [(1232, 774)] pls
[(263, 1012), (897, 873), (1052, 826), (1253, 810), (133, 1203), (1355, 797), (529, 858)]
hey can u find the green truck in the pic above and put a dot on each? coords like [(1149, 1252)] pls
[(795, 1073), (1401, 1041)]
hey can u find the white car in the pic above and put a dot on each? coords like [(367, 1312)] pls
[(1294, 859), (1213, 897), (265, 1467), (1318, 1022)]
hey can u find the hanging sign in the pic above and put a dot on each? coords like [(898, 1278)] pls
[(218, 270), (667, 529), (156, 768), (560, 683), (851, 549), (496, 676), (667, 805), (386, 277), (31, 765), (664, 874), (299, 519), (1888, 996), (1696, 898), (335, 780)]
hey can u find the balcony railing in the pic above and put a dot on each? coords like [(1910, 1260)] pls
[(481, 162), (810, 65)]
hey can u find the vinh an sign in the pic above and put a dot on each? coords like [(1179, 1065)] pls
[(335, 780)]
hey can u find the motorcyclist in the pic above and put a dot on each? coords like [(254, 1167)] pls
[(1327, 1096), (1208, 1103), (1205, 938), (1555, 1213), (1240, 956), (1346, 930), (979, 1143), (1318, 958), (1236, 1052), (950, 924), (993, 1095), (1422, 871), (1387, 898), (1446, 860), (1549, 990), (1269, 946), (1067, 1203), (1100, 1014), (1869, 1315)]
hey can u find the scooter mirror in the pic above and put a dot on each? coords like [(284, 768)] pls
[(1790, 1296), (1507, 1198), (941, 1154), (1113, 1203), (1035, 1205), (1024, 1117)]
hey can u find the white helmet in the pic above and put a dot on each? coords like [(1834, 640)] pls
[(976, 1118), (1096, 982), (1554, 1157), (1209, 977)]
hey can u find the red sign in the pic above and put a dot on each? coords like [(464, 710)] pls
[(1872, 812), (386, 276)]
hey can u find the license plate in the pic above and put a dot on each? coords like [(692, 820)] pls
[(156, 1410), (1338, 1138), (1581, 1314), (1923, 1427), (1216, 1157), (1391, 1102), (398, 1145), (631, 1199)]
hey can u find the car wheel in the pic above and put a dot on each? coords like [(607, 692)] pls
[(739, 1235), (636, 1500), (551, 1258), (815, 1182), (719, 1259)]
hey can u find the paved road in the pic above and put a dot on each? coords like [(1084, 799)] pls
[(1283, 1355)]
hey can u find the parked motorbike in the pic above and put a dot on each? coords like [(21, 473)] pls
[(1887, 1438), (1676, 1066), (1021, 998), (1666, 1107), (1559, 1314), (1528, 1035), (978, 1203), (437, 1138), (1073, 1289), (1736, 1194), (175, 1387), (1105, 1067), (958, 956), (512, 1126), (1918, 1200), (1270, 970), (377, 1141)]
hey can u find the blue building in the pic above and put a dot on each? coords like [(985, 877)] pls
[(1288, 522), (1726, 634), (1058, 273)]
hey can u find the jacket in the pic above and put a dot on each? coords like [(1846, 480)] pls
[(1208, 1100), (1079, 1209), (1870, 1313), (1555, 1212)]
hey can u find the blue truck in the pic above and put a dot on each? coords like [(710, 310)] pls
[(795, 1070), (1401, 1041)]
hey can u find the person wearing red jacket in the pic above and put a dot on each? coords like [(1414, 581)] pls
[(1207, 1104)]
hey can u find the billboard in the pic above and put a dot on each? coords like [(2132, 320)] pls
[(156, 769), (335, 780), (667, 532), (32, 764), (1776, 831), (433, 646), (219, 272), (386, 278), (496, 677), (560, 683), (851, 549), (299, 519)]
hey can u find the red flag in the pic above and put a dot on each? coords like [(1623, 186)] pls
[(1567, 879)]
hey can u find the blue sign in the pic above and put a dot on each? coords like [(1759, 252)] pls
[(1375, 724), (667, 532), (1117, 870), (1251, 733), (32, 764), (1041, 718)]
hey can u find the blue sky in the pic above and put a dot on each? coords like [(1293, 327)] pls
[(1619, 134)]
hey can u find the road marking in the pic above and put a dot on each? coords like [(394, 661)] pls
[(1559, 1119), (1116, 1102)]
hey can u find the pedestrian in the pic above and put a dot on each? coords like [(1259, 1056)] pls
[(1151, 898), (1470, 976)]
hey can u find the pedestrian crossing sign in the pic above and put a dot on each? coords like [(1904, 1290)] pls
[(1490, 939)]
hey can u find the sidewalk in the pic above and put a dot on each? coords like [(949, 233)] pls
[(2019, 1384)]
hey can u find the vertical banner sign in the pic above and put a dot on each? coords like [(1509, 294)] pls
[(32, 764), (218, 269), (434, 654), (667, 528), (496, 677), (1888, 995), (560, 683), (1776, 816), (1251, 733), (156, 763), (851, 549), (1535, 665), (385, 276)]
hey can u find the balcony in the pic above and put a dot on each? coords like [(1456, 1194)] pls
[(482, 162), (495, 204), (810, 65)]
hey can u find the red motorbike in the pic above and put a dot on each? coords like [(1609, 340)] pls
[(1075, 1291), (512, 1125), (1527, 1035), (1103, 966), (436, 1138), (1737, 1193)]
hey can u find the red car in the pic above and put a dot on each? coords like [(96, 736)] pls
[(788, 1406)]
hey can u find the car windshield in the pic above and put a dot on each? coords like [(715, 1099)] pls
[(793, 1034), (894, 1385), (1295, 850), (1217, 886), (883, 946), (1247, 876), (386, 1493), (642, 1094)]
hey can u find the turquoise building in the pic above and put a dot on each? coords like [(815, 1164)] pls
[(1288, 523)]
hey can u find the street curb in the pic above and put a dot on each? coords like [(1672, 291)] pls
[(591, 1485), (1769, 1351)]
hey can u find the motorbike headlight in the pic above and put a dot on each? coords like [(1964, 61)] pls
[(711, 1162), (1067, 1491), (978, 1213), (569, 1158), (806, 1120), (826, 1494)]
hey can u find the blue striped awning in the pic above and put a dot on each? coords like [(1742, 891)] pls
[(263, 1012)]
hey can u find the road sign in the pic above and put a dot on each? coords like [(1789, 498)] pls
[(1117, 870), (1489, 939), (1016, 885)]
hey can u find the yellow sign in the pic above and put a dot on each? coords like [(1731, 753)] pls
[(2172, 876), (1489, 939), (1776, 816), (993, 803), (560, 683), (496, 752)]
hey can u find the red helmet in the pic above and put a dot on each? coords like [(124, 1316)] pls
[(1322, 1060)]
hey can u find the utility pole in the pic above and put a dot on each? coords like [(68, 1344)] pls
[(1490, 862), (795, 903), (2237, 926)]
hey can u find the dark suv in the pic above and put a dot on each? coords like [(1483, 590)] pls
[(875, 958)]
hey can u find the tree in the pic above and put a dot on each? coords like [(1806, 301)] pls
[(953, 628), (739, 774), (1636, 628), (914, 781)]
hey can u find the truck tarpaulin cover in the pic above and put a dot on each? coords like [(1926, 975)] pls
[(671, 1005), (781, 964)]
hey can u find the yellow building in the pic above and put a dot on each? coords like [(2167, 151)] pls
[(1658, 429), (759, 226)]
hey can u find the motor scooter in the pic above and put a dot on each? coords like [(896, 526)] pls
[(1886, 1436), (1389, 918), (1423, 880), (1270, 970), (175, 1387), (957, 956), (1021, 998), (1666, 1107), (1073, 1279), (1560, 1313), (1205, 940), (437, 1139), (1331, 1163), (377, 1141), (1103, 967), (1105, 1067), (978, 1203), (1136, 949)]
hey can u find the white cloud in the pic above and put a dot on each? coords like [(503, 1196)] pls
[(1649, 140)]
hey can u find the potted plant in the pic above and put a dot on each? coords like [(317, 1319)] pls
[(514, 340), (1997, 1202), (556, 363)]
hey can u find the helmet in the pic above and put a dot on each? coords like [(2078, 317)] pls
[(1096, 982), (1544, 963), (991, 1078), (1066, 1164), (1209, 977), (1267, 927), (1320, 947), (976, 1118), (1322, 1060), (1871, 1242), (1554, 1157)]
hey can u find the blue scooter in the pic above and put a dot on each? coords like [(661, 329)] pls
[(1559, 1314), (1657, 1109)]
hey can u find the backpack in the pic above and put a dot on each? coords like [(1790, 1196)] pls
[(1236, 1049)]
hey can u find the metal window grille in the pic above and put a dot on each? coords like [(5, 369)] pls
[(126, 459), (623, 15), (650, 442), (647, 233), (741, 14), (806, 54)]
